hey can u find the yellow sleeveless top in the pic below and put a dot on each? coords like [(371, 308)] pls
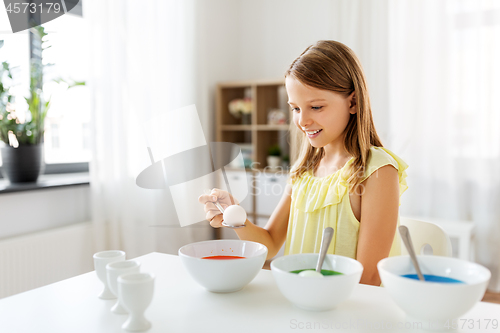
[(323, 202)]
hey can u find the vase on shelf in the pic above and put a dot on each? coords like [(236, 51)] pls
[(246, 119)]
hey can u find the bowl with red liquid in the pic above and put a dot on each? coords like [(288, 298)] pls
[(224, 265)]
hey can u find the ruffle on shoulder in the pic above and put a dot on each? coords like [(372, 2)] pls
[(311, 193), (379, 157)]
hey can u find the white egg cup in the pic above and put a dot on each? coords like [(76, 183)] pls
[(136, 292), (114, 270), (101, 259)]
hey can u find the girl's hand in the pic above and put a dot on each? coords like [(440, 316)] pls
[(213, 214)]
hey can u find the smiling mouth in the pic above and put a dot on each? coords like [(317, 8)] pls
[(313, 133)]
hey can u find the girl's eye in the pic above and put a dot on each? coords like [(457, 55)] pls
[(295, 109), (317, 107)]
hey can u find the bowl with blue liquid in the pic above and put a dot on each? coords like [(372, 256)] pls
[(451, 287)]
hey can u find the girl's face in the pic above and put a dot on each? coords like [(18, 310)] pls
[(321, 114)]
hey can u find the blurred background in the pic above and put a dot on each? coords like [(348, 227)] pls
[(433, 75)]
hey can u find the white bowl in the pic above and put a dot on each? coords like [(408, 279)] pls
[(434, 304), (316, 293), (223, 275)]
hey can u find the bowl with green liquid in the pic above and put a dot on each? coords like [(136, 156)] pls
[(340, 276)]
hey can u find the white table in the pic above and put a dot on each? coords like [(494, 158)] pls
[(181, 305)]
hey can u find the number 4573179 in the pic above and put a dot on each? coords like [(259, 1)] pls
[(32, 8)]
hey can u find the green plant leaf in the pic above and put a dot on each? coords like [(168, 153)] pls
[(274, 150), (32, 131)]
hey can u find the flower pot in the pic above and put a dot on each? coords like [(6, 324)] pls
[(22, 164), (273, 161)]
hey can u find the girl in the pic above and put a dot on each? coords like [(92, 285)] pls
[(343, 178)]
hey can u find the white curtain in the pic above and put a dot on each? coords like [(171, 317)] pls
[(362, 25), (444, 77), (433, 73), (143, 63)]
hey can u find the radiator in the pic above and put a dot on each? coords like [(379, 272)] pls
[(38, 259)]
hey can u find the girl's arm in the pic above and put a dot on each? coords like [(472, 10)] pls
[(379, 217), (273, 235)]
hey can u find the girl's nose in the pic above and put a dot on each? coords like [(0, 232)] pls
[(304, 119)]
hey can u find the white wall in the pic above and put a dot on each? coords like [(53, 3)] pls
[(40, 258), (31, 211), (259, 39), (45, 236), (274, 33), (244, 40)]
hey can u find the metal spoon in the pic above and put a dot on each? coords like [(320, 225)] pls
[(405, 235), (325, 244), (217, 204), (221, 209)]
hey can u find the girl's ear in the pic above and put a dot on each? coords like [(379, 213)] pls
[(352, 103)]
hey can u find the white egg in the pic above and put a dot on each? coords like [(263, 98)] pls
[(235, 215), (309, 273)]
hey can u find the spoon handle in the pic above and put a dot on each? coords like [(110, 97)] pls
[(217, 204), (325, 244), (405, 235)]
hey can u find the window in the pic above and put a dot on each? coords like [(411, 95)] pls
[(67, 125), (16, 51), (70, 108), (86, 136), (54, 136)]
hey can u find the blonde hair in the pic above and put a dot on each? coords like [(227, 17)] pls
[(330, 65)]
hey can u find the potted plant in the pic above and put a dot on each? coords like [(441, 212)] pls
[(274, 156), (22, 155)]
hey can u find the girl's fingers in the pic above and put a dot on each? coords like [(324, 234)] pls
[(215, 220), (209, 206), (204, 198), (223, 196), (218, 193), (211, 211), (210, 215)]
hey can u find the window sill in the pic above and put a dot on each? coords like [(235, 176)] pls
[(47, 182)]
